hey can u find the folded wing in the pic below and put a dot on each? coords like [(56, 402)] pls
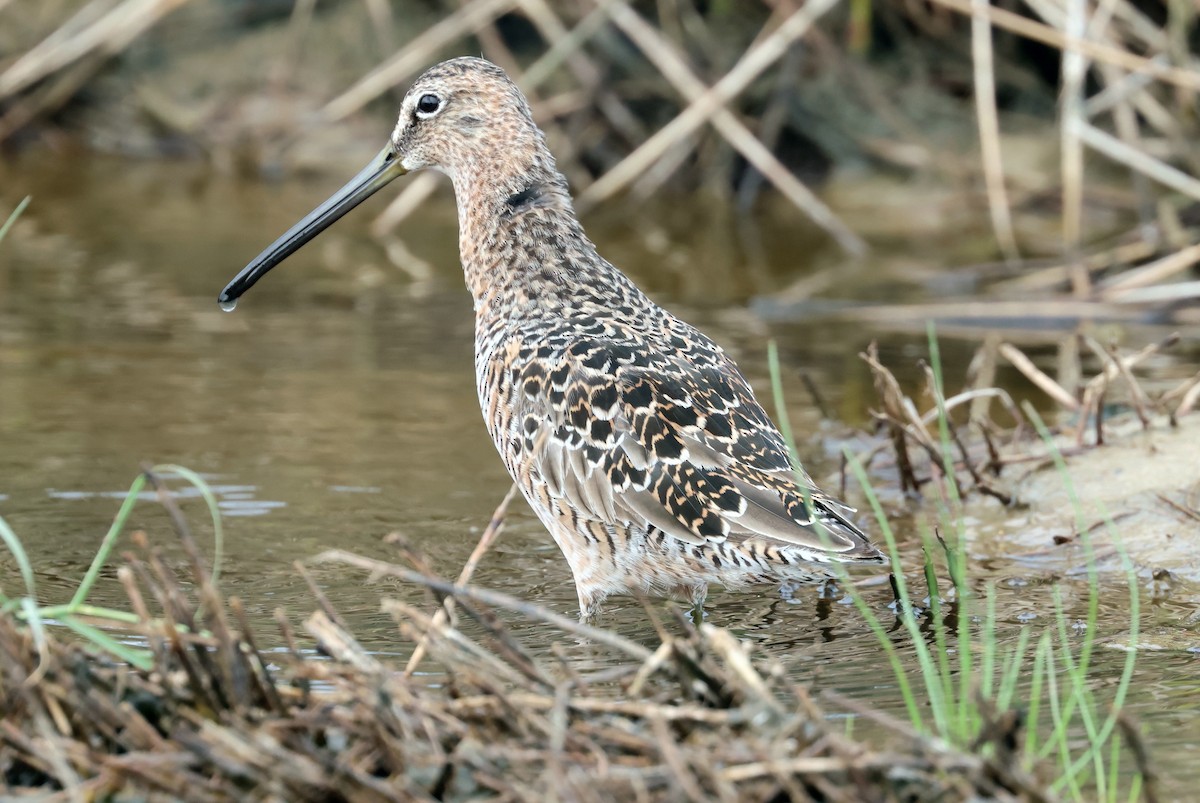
[(623, 433)]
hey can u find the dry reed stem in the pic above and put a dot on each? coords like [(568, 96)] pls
[(1181, 391), (1096, 51), (1029, 312), (671, 64), (1139, 396), (562, 46), (1161, 295), (297, 26), (889, 393), (1114, 363), (1047, 277), (1074, 72), (1094, 390), (973, 396), (414, 56), (981, 373), (1190, 400), (1190, 513), (82, 35), (495, 598), (1152, 273), (1138, 160), (1038, 377), (770, 127), (698, 112), (71, 55), (989, 130), (1128, 129), (490, 534), (552, 29), (409, 200)]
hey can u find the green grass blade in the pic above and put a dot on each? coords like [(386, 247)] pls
[(106, 545), (214, 511), (17, 549), (781, 415), (929, 671), (142, 659), (987, 663), (785, 429), (966, 656), (1097, 736), (12, 218), (1010, 672), (37, 626), (1041, 660)]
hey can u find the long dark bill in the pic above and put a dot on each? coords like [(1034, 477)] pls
[(382, 169)]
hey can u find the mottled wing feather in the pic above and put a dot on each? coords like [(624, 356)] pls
[(631, 434)]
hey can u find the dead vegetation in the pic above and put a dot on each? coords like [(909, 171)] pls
[(217, 716), (989, 432)]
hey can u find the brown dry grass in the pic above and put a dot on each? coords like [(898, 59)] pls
[(218, 719)]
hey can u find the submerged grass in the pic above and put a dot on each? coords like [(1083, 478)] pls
[(967, 682)]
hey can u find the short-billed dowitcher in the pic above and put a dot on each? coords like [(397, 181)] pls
[(634, 438)]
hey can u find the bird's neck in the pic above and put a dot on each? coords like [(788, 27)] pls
[(516, 224)]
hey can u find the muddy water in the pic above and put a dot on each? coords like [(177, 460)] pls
[(337, 405)]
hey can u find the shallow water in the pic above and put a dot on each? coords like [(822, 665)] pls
[(337, 405)]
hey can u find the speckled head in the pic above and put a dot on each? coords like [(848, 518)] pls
[(464, 117)]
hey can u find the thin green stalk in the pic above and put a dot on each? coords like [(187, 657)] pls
[(935, 365), (1135, 788), (91, 611), (1010, 673), (1040, 661), (1085, 538), (941, 648), (929, 671), (18, 552), (1106, 731), (122, 518), (37, 628), (1060, 739), (12, 218), (214, 511), (1114, 767), (962, 589), (781, 415), (106, 545), (1062, 717), (987, 665), (785, 429), (134, 656), (1059, 680), (1097, 737), (67, 614)]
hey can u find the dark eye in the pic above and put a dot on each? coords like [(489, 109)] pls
[(428, 104)]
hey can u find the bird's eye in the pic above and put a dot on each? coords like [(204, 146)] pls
[(428, 105)]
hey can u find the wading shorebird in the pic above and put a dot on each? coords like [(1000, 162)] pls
[(634, 438)]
